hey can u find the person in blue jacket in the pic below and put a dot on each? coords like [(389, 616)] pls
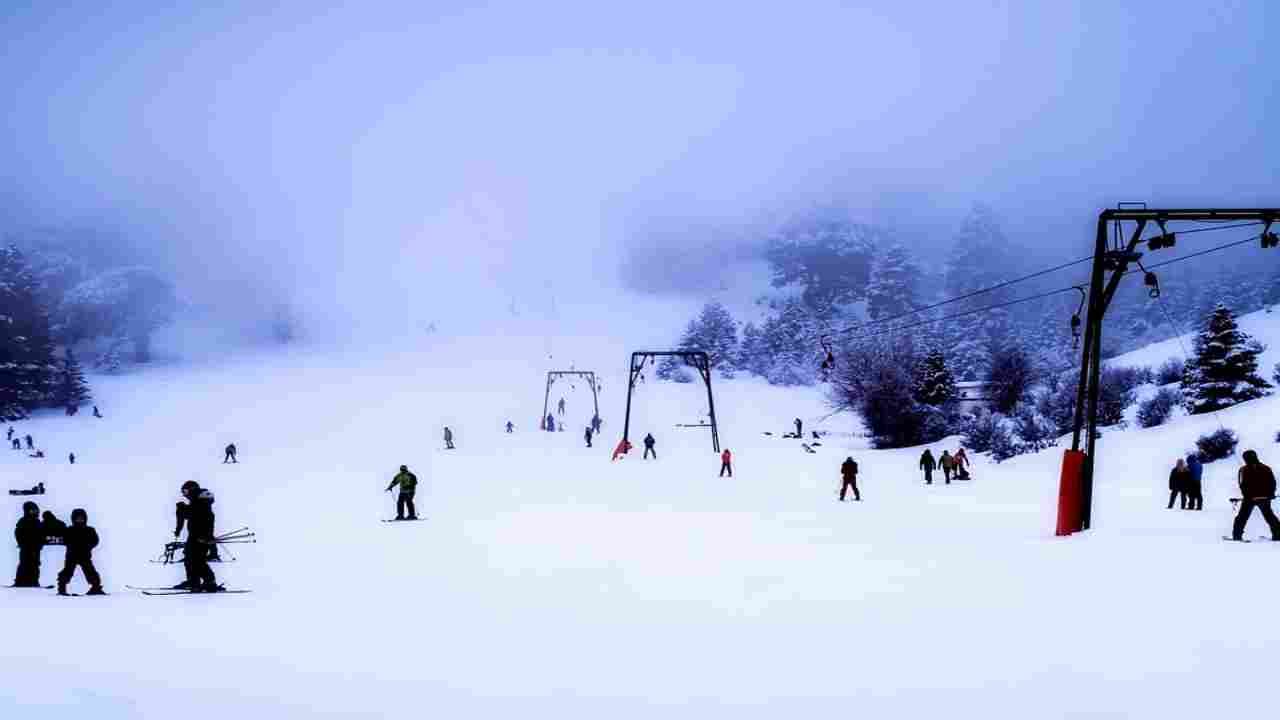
[(1195, 491)]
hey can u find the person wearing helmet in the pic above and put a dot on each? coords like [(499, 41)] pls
[(80, 540), (197, 512), (31, 540), (408, 483)]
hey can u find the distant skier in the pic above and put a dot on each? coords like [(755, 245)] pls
[(1195, 489), (10, 437), (72, 458), (596, 423), (231, 455), (408, 483), (1257, 489), (80, 540), (551, 424), (52, 526), (95, 412), (1179, 480), (17, 444), (649, 444), (799, 428), (510, 427), (962, 464), (849, 479), (31, 540), (560, 407), (448, 438), (37, 454), (623, 448), (197, 512), (587, 435), (726, 463), (948, 464), (30, 443), (927, 464)]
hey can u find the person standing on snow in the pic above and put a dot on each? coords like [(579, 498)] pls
[(551, 423), (849, 479), (649, 443), (510, 427), (948, 464), (80, 540), (408, 483), (596, 422), (197, 513), (448, 438), (560, 407), (231, 454), (10, 433), (962, 464), (799, 428), (726, 463), (927, 464), (1257, 489), (587, 436), (1179, 480), (1195, 490), (29, 533), (30, 443)]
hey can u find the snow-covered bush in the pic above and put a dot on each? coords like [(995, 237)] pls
[(1216, 445), (1170, 371), (1156, 409), (980, 431), (1003, 444), (1035, 431)]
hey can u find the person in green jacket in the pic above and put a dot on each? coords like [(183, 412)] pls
[(408, 483)]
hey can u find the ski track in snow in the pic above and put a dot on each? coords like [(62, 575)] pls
[(550, 581)]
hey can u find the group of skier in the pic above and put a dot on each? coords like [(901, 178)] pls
[(953, 465)]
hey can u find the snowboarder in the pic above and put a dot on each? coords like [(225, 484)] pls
[(927, 464), (30, 443), (95, 412), (510, 427), (231, 455), (1179, 480), (649, 443), (551, 423), (587, 436), (80, 540), (560, 407), (849, 479), (948, 464), (31, 540), (408, 483), (726, 463), (1257, 489), (962, 464), (53, 527), (1195, 489), (72, 458), (448, 438), (799, 428), (197, 512)]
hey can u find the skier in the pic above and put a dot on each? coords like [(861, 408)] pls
[(510, 427), (72, 458), (551, 423), (408, 483), (927, 464), (95, 412), (10, 432), (1179, 481), (231, 454), (596, 423), (17, 444), (799, 428), (31, 540), (587, 436), (1257, 489), (560, 407), (198, 514), (80, 540), (1195, 490), (726, 463), (53, 527), (649, 442), (448, 438), (624, 447), (948, 464), (30, 443), (849, 479), (962, 463)]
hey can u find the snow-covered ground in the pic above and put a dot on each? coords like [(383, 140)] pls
[(550, 582)]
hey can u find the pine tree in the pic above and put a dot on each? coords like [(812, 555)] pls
[(1224, 370), (71, 390), (893, 287), (751, 354), (934, 384), (714, 332), (26, 345)]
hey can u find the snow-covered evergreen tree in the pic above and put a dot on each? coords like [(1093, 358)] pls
[(934, 384), (893, 287), (1011, 377), (752, 356), (71, 389), (714, 332), (1224, 370), (830, 258), (27, 365)]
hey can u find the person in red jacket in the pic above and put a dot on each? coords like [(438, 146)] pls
[(1257, 489), (726, 463)]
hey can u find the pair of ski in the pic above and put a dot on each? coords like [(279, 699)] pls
[(396, 520), (1260, 538), (181, 591)]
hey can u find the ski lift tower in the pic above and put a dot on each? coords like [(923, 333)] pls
[(554, 375), (696, 359)]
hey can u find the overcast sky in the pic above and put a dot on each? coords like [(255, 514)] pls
[(389, 157)]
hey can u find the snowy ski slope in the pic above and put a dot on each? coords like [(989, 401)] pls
[(550, 582)]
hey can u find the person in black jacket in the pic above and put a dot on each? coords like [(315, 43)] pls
[(80, 540), (927, 464), (198, 515), (231, 454), (30, 536), (849, 475), (1257, 489), (649, 442), (1179, 484), (53, 527), (587, 435)]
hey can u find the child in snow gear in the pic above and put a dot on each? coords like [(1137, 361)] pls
[(1195, 491), (448, 438), (948, 464), (962, 464), (53, 527), (199, 520), (80, 540), (231, 454), (587, 435), (1257, 489), (849, 479), (927, 464), (649, 442), (31, 540), (408, 483), (726, 463), (1179, 480)]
